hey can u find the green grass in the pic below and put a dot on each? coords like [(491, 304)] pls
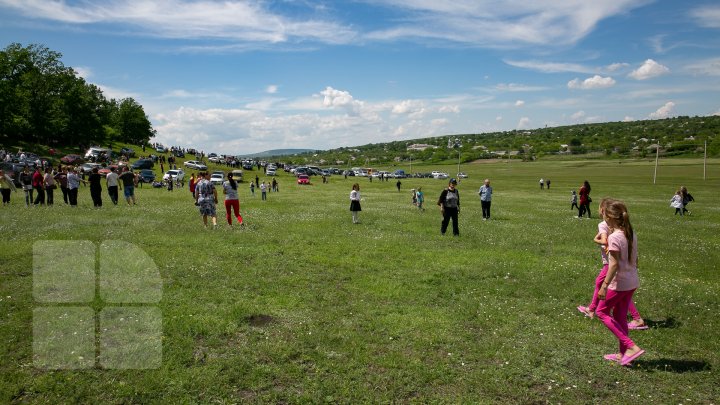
[(301, 305)]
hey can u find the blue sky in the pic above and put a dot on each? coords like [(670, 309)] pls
[(247, 76)]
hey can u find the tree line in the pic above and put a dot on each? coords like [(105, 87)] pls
[(43, 101)]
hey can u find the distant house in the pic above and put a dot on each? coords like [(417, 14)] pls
[(420, 146)]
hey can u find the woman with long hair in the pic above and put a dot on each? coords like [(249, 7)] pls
[(232, 201)]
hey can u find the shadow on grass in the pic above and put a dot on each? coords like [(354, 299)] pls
[(669, 323), (673, 366)]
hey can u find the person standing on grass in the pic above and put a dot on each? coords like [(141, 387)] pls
[(542, 183), (620, 283), (548, 183), (263, 191), (38, 186), (25, 179), (206, 198), (485, 198), (449, 203), (128, 180), (585, 199), (601, 238), (677, 202), (50, 186), (192, 184), (232, 201), (574, 201), (73, 181), (252, 189), (111, 181), (687, 198), (61, 177), (95, 187), (420, 199), (398, 184), (6, 187), (355, 203)]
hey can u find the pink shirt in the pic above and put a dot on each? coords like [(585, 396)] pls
[(603, 228), (626, 277)]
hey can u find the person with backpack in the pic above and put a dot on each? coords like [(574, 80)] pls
[(449, 203)]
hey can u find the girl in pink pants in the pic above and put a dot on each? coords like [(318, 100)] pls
[(616, 291), (601, 239)]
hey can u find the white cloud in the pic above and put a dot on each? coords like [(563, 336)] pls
[(449, 109), (408, 107), (524, 123), (595, 82), (84, 72), (551, 67), (648, 70), (519, 103), (515, 87), (707, 16), (707, 67), (666, 111), (499, 118), (614, 67), (628, 119), (271, 89), (716, 113), (250, 20), (483, 23), (341, 99), (578, 116)]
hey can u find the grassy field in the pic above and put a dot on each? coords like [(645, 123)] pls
[(300, 305)]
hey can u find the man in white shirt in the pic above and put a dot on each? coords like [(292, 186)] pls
[(112, 185)]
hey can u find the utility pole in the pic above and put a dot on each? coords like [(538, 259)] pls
[(657, 154)]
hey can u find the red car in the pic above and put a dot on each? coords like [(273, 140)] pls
[(303, 179), (105, 170), (72, 160)]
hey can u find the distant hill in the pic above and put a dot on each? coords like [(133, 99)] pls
[(276, 152), (678, 136)]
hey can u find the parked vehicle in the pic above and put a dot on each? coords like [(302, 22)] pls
[(217, 177), (270, 172), (399, 174), (237, 175), (105, 170), (143, 164), (72, 160), (439, 175), (303, 179), (87, 167), (195, 164), (175, 175), (95, 151), (147, 176), (127, 152), (462, 175)]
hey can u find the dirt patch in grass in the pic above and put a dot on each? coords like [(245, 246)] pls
[(259, 320)]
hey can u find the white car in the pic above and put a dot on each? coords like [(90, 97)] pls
[(217, 178), (270, 172), (439, 175), (215, 159), (462, 175), (175, 174), (195, 164)]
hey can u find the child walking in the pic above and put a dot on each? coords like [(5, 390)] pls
[(677, 203), (355, 203), (601, 238), (620, 283), (573, 200)]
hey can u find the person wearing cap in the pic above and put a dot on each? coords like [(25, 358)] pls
[(449, 203)]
